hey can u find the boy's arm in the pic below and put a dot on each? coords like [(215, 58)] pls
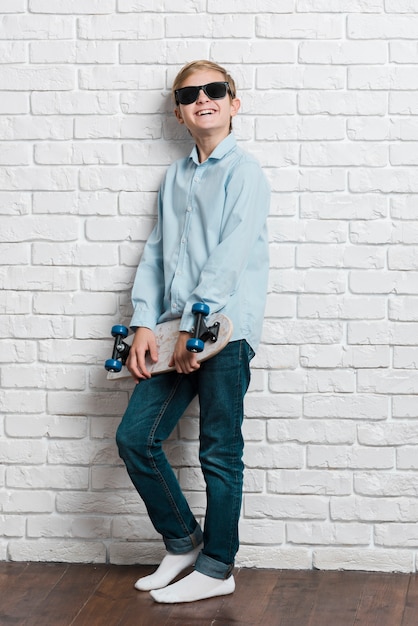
[(246, 209), (148, 288)]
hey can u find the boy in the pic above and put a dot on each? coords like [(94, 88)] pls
[(209, 244)]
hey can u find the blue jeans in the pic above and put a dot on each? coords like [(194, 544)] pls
[(155, 408)]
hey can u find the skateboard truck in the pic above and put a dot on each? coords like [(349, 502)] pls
[(201, 333), (120, 349)]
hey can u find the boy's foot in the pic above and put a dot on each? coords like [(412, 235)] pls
[(195, 586), (170, 567)]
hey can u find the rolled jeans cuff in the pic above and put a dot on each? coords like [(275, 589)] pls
[(185, 544), (210, 567)]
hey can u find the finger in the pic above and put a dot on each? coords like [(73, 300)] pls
[(134, 366)]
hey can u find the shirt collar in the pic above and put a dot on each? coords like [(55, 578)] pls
[(221, 149)]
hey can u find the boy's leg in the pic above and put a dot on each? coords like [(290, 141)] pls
[(223, 382), (155, 407)]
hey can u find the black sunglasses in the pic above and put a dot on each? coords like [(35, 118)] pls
[(214, 91)]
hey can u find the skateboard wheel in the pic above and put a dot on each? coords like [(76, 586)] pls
[(195, 345), (201, 307), (119, 330), (113, 365)]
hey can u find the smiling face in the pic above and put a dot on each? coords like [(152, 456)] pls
[(206, 118)]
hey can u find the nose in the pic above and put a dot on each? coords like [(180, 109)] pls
[(202, 97)]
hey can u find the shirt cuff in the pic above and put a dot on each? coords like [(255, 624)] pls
[(143, 318)]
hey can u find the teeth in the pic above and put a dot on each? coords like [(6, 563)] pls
[(207, 112)]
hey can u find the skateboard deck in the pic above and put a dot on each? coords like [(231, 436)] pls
[(166, 335)]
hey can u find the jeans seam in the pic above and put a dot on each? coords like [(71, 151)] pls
[(237, 430), (153, 464)]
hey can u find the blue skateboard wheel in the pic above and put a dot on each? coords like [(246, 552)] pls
[(113, 365), (200, 307), (195, 345), (119, 329)]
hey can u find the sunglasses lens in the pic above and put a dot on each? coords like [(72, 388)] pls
[(215, 91), (187, 95)]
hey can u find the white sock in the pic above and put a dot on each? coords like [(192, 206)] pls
[(169, 568), (195, 586)]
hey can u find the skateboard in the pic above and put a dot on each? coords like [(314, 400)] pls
[(205, 342)]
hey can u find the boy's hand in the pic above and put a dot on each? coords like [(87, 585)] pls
[(184, 361), (143, 343)]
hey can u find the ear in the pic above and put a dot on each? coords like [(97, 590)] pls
[(235, 106), (177, 113)]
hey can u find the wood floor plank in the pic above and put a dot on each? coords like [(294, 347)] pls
[(29, 591), (410, 615), (257, 587), (337, 598), (292, 599), (383, 600), (113, 596), (68, 596)]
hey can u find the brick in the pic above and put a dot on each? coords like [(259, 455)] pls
[(308, 482), (332, 307), (381, 484), (331, 154), (29, 27), (129, 6), (203, 25), (285, 507), (45, 425), (370, 560), (311, 431), (341, 103), (382, 26), (344, 206), (75, 203), (282, 332), (342, 457), (274, 557), (346, 406), (312, 533), (26, 501), (72, 6), (302, 77), (343, 53), (57, 551), (402, 433), (339, 381), (68, 527), (120, 27), (395, 535), (269, 456), (299, 26), (341, 6), (266, 532), (365, 509), (252, 6), (42, 478), (403, 52)]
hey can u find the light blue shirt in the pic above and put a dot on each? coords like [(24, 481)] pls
[(209, 245)]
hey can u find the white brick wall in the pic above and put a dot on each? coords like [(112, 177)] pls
[(330, 107)]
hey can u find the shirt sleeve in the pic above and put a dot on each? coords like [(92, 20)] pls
[(246, 209), (148, 287)]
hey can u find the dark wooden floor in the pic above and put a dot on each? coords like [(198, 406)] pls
[(103, 595)]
